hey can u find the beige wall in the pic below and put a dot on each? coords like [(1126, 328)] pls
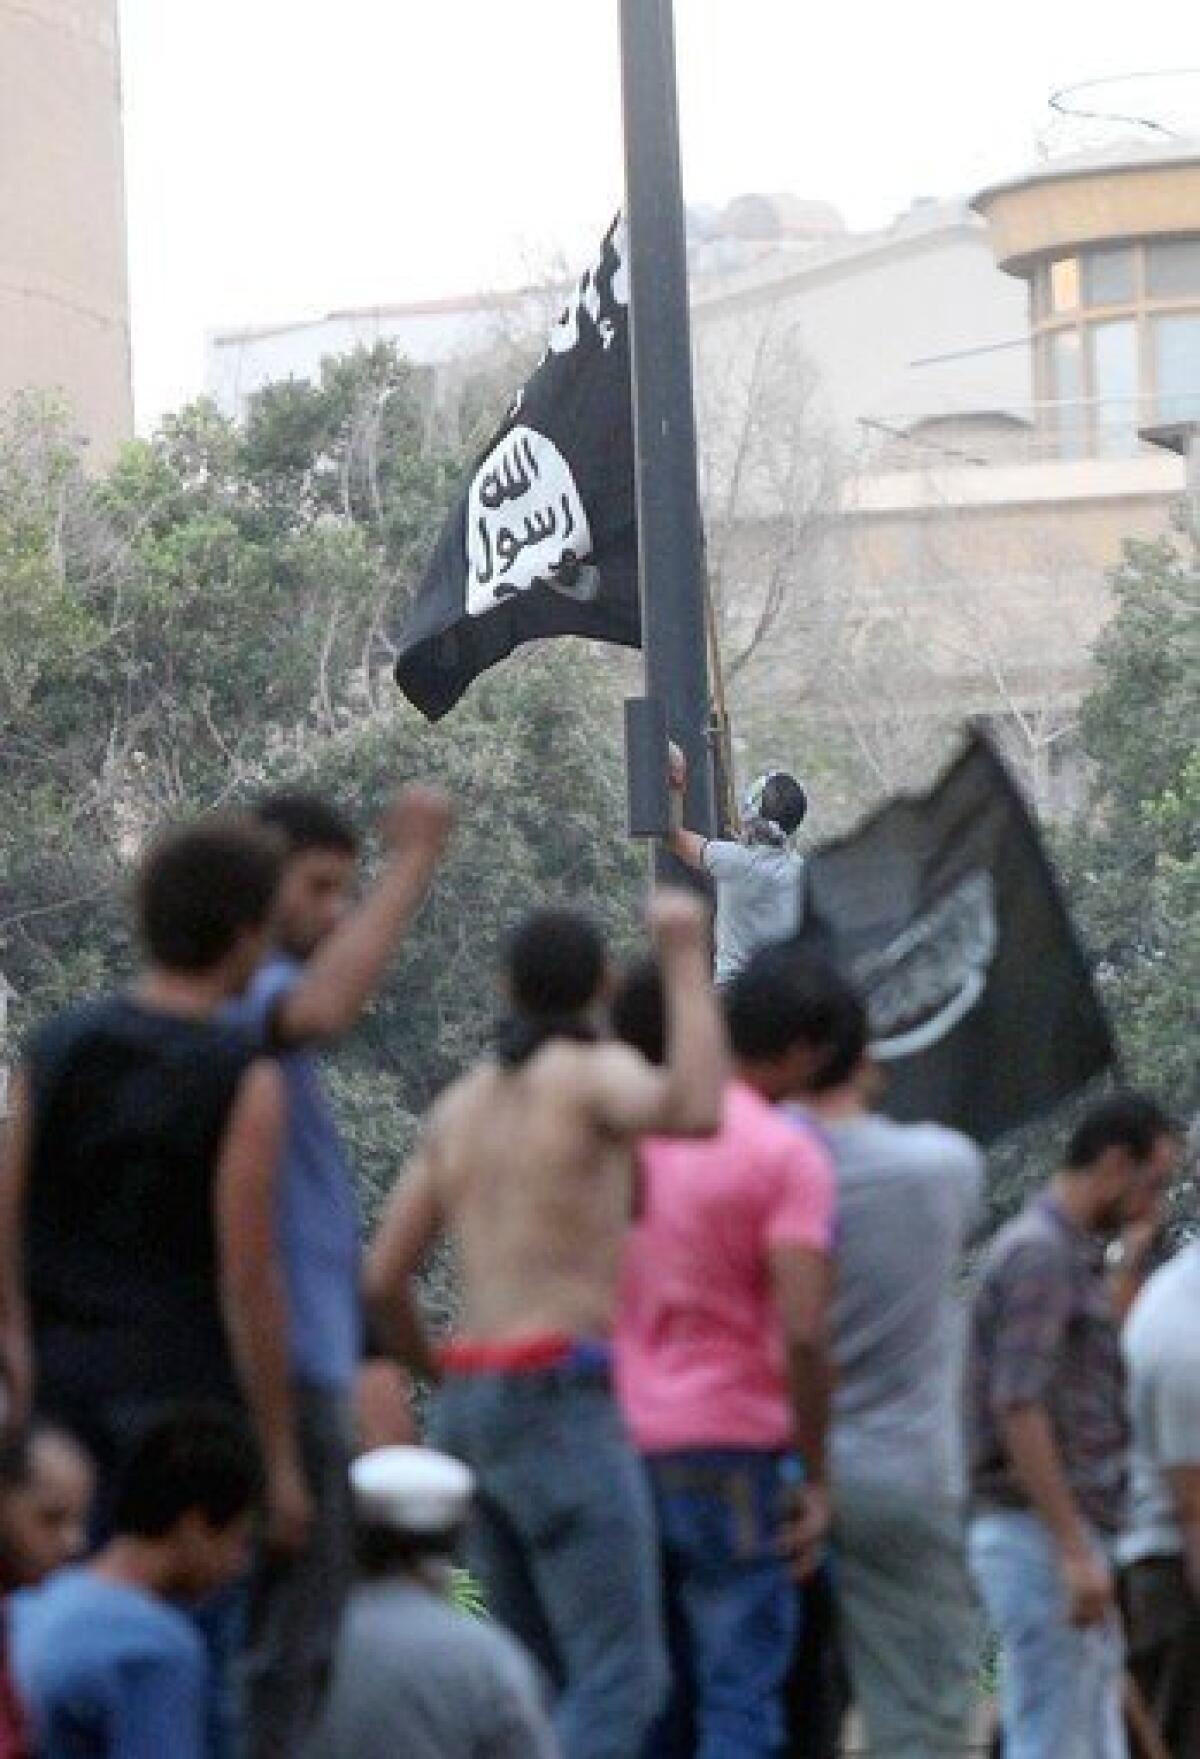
[(64, 306), (1049, 213)]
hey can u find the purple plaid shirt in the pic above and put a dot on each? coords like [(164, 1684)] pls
[(1043, 1332)]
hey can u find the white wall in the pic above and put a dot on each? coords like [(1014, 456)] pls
[(876, 319)]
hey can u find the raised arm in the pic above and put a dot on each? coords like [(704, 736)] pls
[(684, 1098), (687, 846), (253, 1295), (346, 970), (411, 1223), (16, 1356)]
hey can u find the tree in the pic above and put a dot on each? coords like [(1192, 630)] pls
[(1134, 858), (1131, 856), (207, 621), (770, 471)]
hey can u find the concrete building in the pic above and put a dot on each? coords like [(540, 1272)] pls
[(64, 305), (989, 368)]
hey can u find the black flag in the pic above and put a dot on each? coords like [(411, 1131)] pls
[(946, 912), (543, 539)]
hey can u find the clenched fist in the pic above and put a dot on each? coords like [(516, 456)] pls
[(419, 817)]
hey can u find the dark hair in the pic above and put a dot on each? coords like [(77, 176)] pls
[(193, 1459), (782, 998), (306, 821), (380, 1550), (201, 885), (784, 802), (1121, 1120), (556, 963), (639, 1011)]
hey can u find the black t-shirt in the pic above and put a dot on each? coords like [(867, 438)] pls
[(129, 1109)]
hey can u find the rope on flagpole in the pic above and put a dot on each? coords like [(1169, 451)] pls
[(720, 730)]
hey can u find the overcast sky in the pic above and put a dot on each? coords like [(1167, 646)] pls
[(287, 157)]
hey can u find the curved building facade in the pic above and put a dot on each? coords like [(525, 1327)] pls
[(1109, 245), (64, 300)]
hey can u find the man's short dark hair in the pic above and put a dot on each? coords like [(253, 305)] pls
[(1121, 1120), (307, 821), (782, 998), (639, 1011), (784, 802), (556, 964), (201, 886), (194, 1459), (382, 1550)]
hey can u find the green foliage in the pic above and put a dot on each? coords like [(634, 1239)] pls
[(1134, 861), (1131, 860), (208, 620)]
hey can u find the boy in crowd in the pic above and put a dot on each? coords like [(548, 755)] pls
[(723, 1368), (415, 1675), (527, 1163), (138, 1259), (105, 1663), (49, 1504), (328, 959)]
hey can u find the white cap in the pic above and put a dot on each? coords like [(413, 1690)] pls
[(413, 1489)]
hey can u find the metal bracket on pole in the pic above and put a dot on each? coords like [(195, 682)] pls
[(646, 744)]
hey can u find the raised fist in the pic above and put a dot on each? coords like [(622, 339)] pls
[(419, 817), (677, 919)]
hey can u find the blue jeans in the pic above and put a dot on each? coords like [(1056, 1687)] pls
[(731, 1605), (1061, 1683), (563, 1543)]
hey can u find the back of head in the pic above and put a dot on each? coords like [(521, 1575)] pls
[(202, 886), (1128, 1121), (784, 802), (775, 806), (196, 1459), (557, 962), (410, 1504), (639, 1011), (307, 821), (783, 999)]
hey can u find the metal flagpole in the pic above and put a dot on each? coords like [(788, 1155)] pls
[(671, 563)]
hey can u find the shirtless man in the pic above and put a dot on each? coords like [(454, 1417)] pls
[(526, 1162)]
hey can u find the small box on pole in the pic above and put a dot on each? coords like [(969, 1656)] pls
[(646, 758)]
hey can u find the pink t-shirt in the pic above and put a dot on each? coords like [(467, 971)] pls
[(699, 1349)]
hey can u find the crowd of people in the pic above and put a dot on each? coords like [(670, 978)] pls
[(702, 1433)]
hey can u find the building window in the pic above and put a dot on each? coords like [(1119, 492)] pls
[(1064, 284), (1108, 276), (1066, 379), (1117, 342), (1115, 386), (1173, 268), (1177, 366)]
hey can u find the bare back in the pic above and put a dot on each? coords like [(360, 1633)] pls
[(535, 1187)]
